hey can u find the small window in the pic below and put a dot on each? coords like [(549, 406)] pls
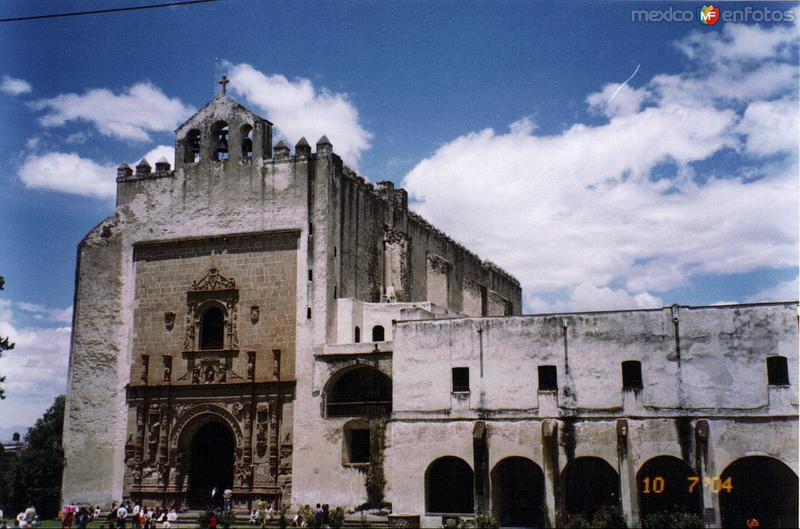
[(357, 335), (460, 379), (377, 333), (359, 446), (631, 375), (548, 378), (212, 329), (777, 371)]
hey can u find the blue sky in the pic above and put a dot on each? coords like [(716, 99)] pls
[(678, 187)]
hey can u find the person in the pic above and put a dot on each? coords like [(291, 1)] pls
[(69, 516), (213, 520), (30, 515), (254, 516), (753, 523), (112, 516), (326, 516), (83, 518), (122, 513), (318, 516), (136, 519), (96, 513)]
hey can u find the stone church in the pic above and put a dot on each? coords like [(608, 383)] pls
[(270, 322)]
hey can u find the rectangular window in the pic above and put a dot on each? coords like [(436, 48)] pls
[(359, 446), (460, 379), (548, 378), (777, 371), (631, 375)]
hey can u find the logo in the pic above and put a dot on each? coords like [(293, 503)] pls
[(709, 15)]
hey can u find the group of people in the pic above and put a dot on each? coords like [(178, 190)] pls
[(25, 520), (140, 517)]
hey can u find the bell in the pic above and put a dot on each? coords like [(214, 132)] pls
[(222, 145)]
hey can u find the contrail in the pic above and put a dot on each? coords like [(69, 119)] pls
[(623, 84)]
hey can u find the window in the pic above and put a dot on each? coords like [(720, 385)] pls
[(358, 335), (631, 375), (359, 446), (777, 371), (212, 328), (377, 333), (460, 379), (362, 391), (548, 378), (192, 152)]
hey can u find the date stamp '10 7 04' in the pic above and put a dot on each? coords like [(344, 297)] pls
[(715, 484)]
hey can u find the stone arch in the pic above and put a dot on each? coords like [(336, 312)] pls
[(663, 485), (192, 146), (358, 390), (449, 487), (588, 483), (220, 136), (518, 492), (191, 420), (247, 135), (761, 487)]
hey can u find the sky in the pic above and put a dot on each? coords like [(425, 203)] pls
[(607, 161)]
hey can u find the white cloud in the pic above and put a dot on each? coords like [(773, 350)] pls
[(618, 203), (627, 101), (162, 151), (740, 42), (14, 86), (588, 297), (69, 173), (770, 126), (41, 312), (130, 115), (782, 291), (298, 108), (35, 370)]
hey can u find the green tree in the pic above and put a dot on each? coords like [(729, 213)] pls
[(5, 345), (35, 474)]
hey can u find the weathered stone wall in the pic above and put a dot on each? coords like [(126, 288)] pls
[(705, 363), (264, 270)]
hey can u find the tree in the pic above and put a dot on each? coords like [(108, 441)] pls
[(35, 475), (5, 345)]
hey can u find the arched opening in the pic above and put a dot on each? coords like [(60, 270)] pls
[(518, 493), (211, 463), (588, 483), (378, 334), (192, 149), (664, 485), (212, 329), (357, 335), (246, 133), (219, 139), (360, 392), (760, 487), (449, 487)]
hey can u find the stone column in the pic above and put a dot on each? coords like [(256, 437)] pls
[(706, 467), (627, 479), (480, 454), (551, 470)]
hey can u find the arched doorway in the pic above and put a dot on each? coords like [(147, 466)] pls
[(449, 487), (664, 485), (760, 487), (211, 463), (588, 483), (518, 493)]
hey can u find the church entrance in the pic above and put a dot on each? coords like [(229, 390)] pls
[(212, 457)]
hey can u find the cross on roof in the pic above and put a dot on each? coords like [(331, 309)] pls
[(224, 82)]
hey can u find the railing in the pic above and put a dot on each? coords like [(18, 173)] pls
[(375, 408)]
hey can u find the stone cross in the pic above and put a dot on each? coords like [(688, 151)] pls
[(224, 82)]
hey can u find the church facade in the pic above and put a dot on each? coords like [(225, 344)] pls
[(270, 322)]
